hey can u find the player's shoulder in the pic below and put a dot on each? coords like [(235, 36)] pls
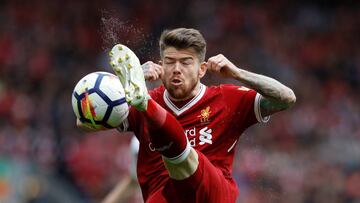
[(157, 93), (224, 88)]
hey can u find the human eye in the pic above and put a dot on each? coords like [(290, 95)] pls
[(187, 62), (169, 62)]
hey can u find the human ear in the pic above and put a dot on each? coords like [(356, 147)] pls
[(202, 69)]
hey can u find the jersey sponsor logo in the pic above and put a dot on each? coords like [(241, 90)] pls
[(160, 149), (151, 147), (205, 115), (190, 132), (205, 136), (195, 137)]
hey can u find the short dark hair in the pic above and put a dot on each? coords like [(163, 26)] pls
[(183, 38)]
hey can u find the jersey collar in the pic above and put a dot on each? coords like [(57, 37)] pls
[(188, 105)]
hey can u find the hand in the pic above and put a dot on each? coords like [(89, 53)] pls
[(152, 71), (219, 64)]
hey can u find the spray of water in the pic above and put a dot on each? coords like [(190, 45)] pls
[(114, 31)]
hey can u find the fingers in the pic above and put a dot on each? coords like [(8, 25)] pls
[(152, 71), (161, 70), (220, 65), (216, 63), (158, 69), (154, 76)]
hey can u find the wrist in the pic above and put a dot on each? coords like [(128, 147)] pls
[(238, 74)]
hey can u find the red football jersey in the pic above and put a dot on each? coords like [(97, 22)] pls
[(213, 122)]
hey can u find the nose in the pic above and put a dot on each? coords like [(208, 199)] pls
[(177, 68)]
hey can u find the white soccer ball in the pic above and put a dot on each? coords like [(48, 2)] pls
[(98, 100)]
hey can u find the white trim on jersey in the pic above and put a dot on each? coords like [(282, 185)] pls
[(187, 106), (182, 156), (257, 110), (232, 146)]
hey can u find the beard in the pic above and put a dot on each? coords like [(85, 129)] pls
[(185, 91)]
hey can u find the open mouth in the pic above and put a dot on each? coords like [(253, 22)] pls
[(176, 82)]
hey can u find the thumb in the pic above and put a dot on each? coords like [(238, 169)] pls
[(209, 66)]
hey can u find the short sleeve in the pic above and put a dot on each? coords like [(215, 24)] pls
[(257, 110), (244, 104)]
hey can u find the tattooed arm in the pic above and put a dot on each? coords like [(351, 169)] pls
[(275, 96)]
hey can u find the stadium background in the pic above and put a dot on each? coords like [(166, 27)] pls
[(310, 153)]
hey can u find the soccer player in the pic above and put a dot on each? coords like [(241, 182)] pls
[(188, 131)]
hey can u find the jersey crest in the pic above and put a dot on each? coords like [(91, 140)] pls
[(205, 115)]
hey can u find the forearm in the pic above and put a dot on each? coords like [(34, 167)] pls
[(279, 95), (275, 96)]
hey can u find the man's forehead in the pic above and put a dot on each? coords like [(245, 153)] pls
[(172, 52)]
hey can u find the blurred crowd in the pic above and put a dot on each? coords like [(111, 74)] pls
[(309, 154)]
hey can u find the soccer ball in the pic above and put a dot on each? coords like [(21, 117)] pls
[(98, 100)]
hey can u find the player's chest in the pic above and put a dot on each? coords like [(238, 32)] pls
[(203, 126)]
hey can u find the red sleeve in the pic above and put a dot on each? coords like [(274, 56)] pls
[(157, 93), (244, 104), (132, 117)]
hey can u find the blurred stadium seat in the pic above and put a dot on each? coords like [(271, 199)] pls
[(308, 154)]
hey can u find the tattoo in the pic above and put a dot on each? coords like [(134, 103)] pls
[(270, 106), (276, 96)]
